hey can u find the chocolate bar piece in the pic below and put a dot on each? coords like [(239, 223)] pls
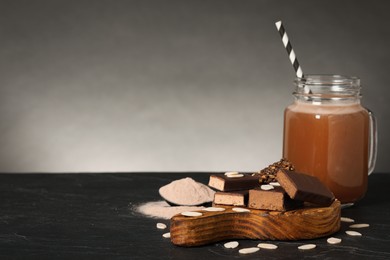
[(275, 199), (233, 198), (305, 187), (234, 182)]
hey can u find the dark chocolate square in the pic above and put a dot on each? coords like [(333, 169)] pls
[(305, 187)]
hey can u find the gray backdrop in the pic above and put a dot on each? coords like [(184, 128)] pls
[(173, 85)]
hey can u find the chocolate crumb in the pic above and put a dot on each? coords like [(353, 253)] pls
[(268, 174)]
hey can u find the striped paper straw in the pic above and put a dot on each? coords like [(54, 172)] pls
[(290, 51), (291, 54)]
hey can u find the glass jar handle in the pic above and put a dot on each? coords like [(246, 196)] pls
[(373, 141)]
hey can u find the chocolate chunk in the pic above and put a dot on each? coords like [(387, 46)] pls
[(235, 182), (233, 198), (275, 199), (305, 187)]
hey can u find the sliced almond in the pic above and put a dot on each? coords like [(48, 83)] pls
[(267, 246), (161, 226), (231, 173), (232, 244), (267, 187), (307, 247), (353, 233), (333, 240), (274, 183), (191, 214), (214, 209), (248, 250), (235, 175), (348, 220), (359, 225), (240, 210)]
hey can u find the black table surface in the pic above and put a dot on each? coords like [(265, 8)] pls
[(92, 216)]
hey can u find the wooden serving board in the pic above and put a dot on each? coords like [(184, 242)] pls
[(305, 223)]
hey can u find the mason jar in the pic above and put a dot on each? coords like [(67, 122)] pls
[(330, 135)]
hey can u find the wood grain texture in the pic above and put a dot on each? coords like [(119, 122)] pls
[(305, 223)]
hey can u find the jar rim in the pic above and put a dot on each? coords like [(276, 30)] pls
[(320, 87), (328, 80)]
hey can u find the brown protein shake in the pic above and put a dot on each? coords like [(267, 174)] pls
[(326, 134)]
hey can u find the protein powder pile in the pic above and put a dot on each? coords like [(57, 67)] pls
[(184, 192)]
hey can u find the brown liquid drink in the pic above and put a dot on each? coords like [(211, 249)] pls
[(331, 143), (326, 134)]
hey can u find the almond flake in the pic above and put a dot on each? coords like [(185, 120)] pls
[(267, 246), (307, 247), (248, 250), (267, 187), (359, 225), (240, 210), (353, 233), (232, 244), (235, 175), (191, 214), (333, 240), (213, 209), (161, 226), (231, 173), (348, 220)]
